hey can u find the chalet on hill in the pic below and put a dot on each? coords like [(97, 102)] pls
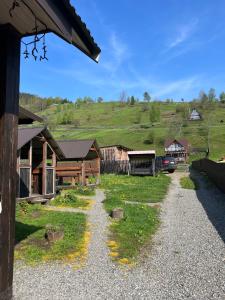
[(115, 153), (178, 149), (37, 153), (81, 162), (195, 115), (141, 162)]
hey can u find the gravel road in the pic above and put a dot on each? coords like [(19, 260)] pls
[(186, 260)]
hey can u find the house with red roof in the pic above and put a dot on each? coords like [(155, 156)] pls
[(178, 149)]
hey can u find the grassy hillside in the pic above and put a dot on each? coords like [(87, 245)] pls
[(113, 122)]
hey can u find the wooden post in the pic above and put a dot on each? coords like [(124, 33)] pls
[(44, 157), (9, 107), (30, 164), (99, 170), (54, 164), (83, 175)]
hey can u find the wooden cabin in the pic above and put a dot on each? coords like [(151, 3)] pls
[(81, 163), (115, 153), (179, 149), (36, 163), (142, 162)]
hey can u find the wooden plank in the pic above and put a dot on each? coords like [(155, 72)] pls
[(9, 108), (44, 158), (83, 177)]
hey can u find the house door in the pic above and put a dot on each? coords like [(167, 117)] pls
[(50, 181)]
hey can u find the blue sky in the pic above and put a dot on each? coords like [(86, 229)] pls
[(171, 48)]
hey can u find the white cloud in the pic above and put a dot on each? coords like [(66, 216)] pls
[(183, 33)]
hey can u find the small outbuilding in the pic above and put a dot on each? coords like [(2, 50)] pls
[(195, 115), (81, 163), (37, 153), (115, 153), (179, 149), (142, 162)]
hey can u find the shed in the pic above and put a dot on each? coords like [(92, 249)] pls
[(36, 163), (81, 162), (142, 162), (195, 115), (20, 18), (179, 149), (115, 152)]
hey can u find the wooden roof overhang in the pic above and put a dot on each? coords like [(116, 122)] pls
[(26, 135), (27, 117), (56, 16)]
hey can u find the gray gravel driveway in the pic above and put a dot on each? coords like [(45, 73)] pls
[(186, 259)]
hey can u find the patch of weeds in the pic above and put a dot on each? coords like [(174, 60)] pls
[(68, 198), (189, 183), (31, 245), (84, 190)]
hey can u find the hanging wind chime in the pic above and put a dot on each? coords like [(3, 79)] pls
[(37, 38)]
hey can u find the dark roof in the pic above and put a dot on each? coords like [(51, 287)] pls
[(27, 117), (27, 134), (118, 146), (56, 16), (183, 142), (77, 149)]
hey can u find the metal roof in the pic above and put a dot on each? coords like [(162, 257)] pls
[(56, 16), (26, 134), (144, 152), (27, 117), (77, 149)]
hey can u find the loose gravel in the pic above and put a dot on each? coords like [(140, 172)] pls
[(186, 260)]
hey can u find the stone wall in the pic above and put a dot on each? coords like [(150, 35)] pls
[(215, 171)]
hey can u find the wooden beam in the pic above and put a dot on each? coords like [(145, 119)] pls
[(30, 163), (9, 109), (44, 158), (83, 175)]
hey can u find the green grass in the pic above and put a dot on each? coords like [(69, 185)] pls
[(189, 183), (31, 245), (113, 123), (140, 221), (68, 198)]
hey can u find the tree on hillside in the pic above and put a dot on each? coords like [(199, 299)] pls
[(147, 97), (132, 100), (123, 97), (212, 95), (100, 100), (203, 96), (222, 97), (150, 138), (154, 113)]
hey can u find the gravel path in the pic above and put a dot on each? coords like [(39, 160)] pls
[(186, 261)]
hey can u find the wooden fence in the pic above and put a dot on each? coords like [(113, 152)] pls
[(215, 171)]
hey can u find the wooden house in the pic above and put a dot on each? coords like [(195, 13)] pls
[(142, 162), (178, 149), (20, 19), (81, 162), (115, 153), (195, 115), (36, 163)]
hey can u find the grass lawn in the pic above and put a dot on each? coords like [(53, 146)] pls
[(69, 198), (32, 247), (188, 183), (140, 222)]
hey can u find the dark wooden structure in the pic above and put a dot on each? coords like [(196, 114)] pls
[(81, 162), (142, 162), (36, 164), (18, 19), (27, 117), (179, 149)]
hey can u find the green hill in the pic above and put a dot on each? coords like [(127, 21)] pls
[(135, 125)]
